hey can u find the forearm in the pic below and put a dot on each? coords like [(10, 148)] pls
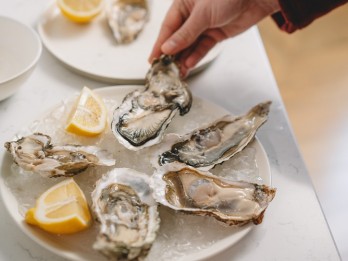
[(297, 14)]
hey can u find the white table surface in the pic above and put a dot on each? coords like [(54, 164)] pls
[(294, 227)]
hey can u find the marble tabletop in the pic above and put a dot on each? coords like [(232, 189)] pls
[(294, 227)]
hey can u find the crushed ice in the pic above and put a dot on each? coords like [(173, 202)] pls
[(179, 234)]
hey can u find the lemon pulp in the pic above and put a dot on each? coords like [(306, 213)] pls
[(88, 116), (62, 209)]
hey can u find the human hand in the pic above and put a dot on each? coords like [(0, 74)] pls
[(192, 27)]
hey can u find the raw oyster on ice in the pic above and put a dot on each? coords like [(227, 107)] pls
[(36, 153), (217, 142), (189, 190), (127, 18), (144, 114), (127, 212)]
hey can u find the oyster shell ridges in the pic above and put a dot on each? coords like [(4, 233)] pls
[(127, 212), (36, 153), (217, 142), (189, 190), (143, 116)]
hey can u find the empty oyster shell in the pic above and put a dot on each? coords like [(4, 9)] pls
[(217, 142), (127, 18), (123, 203), (187, 189), (144, 114), (36, 153)]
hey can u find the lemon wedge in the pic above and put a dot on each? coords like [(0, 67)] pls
[(62, 209), (80, 11), (89, 116)]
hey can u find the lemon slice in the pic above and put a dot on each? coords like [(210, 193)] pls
[(88, 116), (80, 11), (62, 209)]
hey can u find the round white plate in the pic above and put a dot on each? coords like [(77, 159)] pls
[(20, 50), (181, 236), (91, 50)]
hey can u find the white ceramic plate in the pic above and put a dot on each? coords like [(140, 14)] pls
[(20, 49), (181, 237), (90, 49)]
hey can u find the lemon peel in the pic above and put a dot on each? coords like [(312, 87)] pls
[(62, 209), (80, 11)]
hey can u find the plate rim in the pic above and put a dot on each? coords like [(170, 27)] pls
[(38, 51)]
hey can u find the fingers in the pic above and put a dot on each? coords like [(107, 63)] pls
[(192, 55), (170, 24), (186, 35), (181, 58), (181, 27), (200, 51), (204, 45)]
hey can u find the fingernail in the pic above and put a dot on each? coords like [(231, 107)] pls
[(168, 46)]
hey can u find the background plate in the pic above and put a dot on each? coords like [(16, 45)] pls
[(91, 50), (181, 236)]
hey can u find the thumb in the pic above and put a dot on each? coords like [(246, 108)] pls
[(186, 35)]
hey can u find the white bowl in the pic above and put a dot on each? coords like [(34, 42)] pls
[(20, 49)]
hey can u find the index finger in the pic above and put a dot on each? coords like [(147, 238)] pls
[(172, 21)]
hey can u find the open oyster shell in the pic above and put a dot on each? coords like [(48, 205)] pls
[(143, 116), (127, 18), (189, 190), (36, 153), (127, 212), (217, 142)]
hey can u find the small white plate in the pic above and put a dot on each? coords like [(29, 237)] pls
[(91, 50), (20, 49), (181, 236)]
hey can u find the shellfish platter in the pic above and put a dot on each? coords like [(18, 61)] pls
[(180, 236)]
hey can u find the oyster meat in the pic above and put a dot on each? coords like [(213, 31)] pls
[(187, 189), (36, 153), (143, 116), (217, 142), (127, 212), (127, 18)]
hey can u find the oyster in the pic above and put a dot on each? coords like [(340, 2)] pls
[(217, 142), (187, 189), (127, 18), (144, 114), (123, 203), (36, 153)]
